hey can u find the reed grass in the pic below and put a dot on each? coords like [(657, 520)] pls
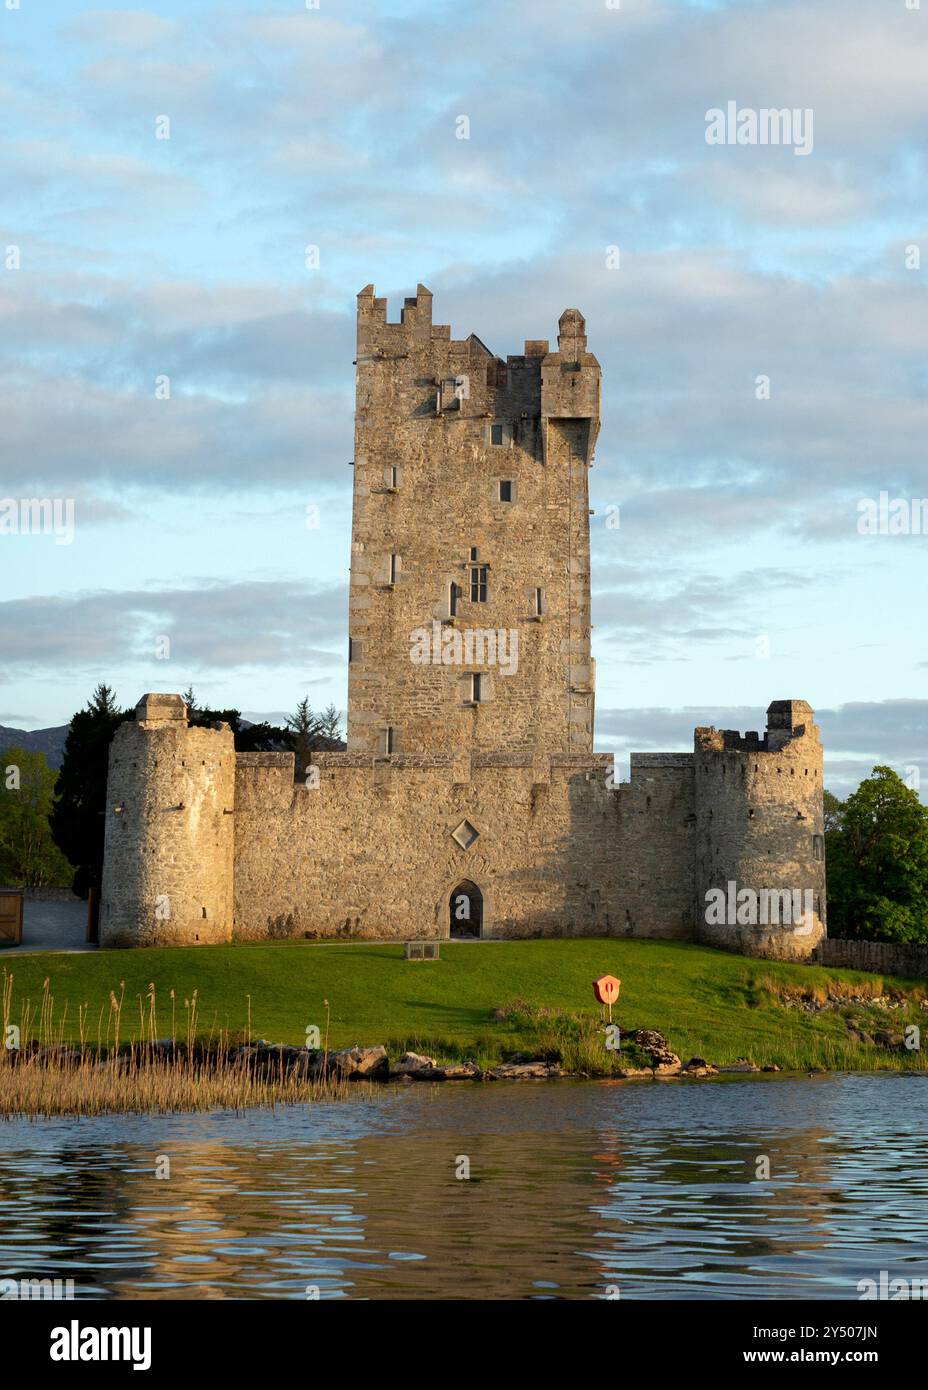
[(42, 1073)]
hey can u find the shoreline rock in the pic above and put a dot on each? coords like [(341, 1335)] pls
[(359, 1063), (698, 1066), (526, 1071)]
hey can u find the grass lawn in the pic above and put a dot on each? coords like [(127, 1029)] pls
[(709, 1003)]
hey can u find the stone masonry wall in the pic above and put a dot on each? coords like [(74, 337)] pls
[(370, 852), (881, 957), (655, 846), (376, 847)]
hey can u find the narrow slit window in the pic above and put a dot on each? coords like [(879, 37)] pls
[(539, 602), (453, 592), (393, 568), (476, 687), (818, 847), (394, 476), (389, 740)]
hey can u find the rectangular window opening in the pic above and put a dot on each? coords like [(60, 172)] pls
[(505, 489), (478, 583), (496, 434), (476, 687)]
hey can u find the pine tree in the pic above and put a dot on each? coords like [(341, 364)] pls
[(78, 815), (304, 727), (330, 723)]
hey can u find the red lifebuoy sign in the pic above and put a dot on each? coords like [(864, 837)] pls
[(606, 989)]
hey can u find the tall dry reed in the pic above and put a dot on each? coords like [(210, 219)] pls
[(41, 1073)]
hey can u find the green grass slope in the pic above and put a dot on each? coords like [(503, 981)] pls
[(707, 1002)]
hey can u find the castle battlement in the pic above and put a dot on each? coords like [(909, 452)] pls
[(787, 721)]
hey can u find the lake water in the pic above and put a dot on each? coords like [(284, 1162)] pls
[(576, 1189)]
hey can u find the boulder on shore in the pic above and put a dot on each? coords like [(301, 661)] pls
[(415, 1066), (523, 1071), (360, 1063), (698, 1066), (741, 1064), (459, 1071), (663, 1060)]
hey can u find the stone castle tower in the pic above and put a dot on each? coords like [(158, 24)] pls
[(469, 771), (169, 840), (471, 512), (760, 825)]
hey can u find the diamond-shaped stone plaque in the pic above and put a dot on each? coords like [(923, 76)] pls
[(465, 834)]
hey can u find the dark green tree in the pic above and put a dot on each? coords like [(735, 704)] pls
[(330, 725), (78, 814), (29, 857), (834, 814), (305, 728), (877, 861)]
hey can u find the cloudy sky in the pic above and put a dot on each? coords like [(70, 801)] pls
[(738, 574)]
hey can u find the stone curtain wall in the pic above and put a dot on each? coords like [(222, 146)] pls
[(881, 957), (370, 853), (365, 848), (655, 846)]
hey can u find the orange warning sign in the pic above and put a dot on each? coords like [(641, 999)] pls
[(606, 989)]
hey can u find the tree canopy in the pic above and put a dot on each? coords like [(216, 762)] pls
[(877, 861), (29, 857), (78, 814)]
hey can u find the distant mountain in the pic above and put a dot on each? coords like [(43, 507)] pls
[(47, 741)]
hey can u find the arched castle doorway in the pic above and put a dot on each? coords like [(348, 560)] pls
[(466, 908)]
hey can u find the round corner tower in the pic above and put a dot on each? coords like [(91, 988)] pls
[(168, 853), (760, 857)]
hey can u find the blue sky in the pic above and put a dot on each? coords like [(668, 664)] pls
[(737, 576)]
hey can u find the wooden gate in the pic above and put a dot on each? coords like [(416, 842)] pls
[(11, 916)]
